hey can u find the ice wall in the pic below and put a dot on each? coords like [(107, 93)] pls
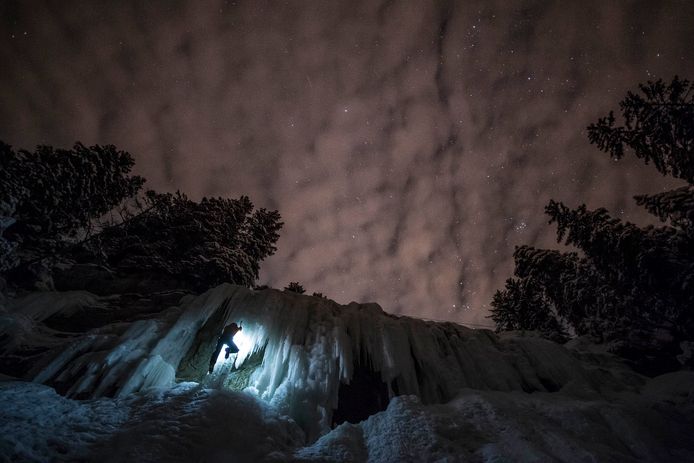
[(310, 347)]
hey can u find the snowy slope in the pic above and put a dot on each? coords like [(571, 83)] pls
[(185, 423), (310, 345), (191, 423), (494, 426), (307, 364)]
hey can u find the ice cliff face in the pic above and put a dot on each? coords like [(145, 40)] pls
[(311, 359)]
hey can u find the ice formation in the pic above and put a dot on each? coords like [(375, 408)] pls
[(301, 354), (403, 389)]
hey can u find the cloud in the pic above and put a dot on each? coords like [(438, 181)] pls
[(408, 146)]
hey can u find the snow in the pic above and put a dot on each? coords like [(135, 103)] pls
[(185, 423), (37, 424), (40, 305), (677, 387), (20, 318), (494, 426), (191, 423), (310, 346), (456, 394)]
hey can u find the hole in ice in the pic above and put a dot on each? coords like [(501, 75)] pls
[(365, 395)]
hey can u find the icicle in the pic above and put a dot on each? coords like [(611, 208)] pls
[(310, 347)]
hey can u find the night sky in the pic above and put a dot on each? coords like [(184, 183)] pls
[(408, 145)]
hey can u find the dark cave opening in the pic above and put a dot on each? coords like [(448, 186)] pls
[(365, 395)]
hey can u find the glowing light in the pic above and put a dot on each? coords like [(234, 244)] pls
[(242, 339), (244, 343)]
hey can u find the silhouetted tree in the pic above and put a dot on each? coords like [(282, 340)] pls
[(631, 286), (295, 287), (321, 295), (82, 204), (523, 305), (657, 127), (676, 206), (202, 243), (51, 198)]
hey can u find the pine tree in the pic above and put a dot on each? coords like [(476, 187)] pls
[(82, 204), (658, 128), (675, 206), (295, 287), (202, 243), (50, 198), (631, 286), (523, 305)]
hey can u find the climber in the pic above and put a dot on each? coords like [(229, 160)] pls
[(227, 338)]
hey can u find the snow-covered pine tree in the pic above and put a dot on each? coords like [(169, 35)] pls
[(658, 127), (642, 268), (51, 198), (83, 205), (202, 244), (631, 286), (523, 305)]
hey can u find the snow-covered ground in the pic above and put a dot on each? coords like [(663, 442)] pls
[(184, 423), (425, 391), (192, 423)]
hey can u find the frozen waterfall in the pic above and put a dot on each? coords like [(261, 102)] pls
[(310, 357)]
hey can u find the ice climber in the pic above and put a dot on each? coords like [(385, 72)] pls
[(227, 338)]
